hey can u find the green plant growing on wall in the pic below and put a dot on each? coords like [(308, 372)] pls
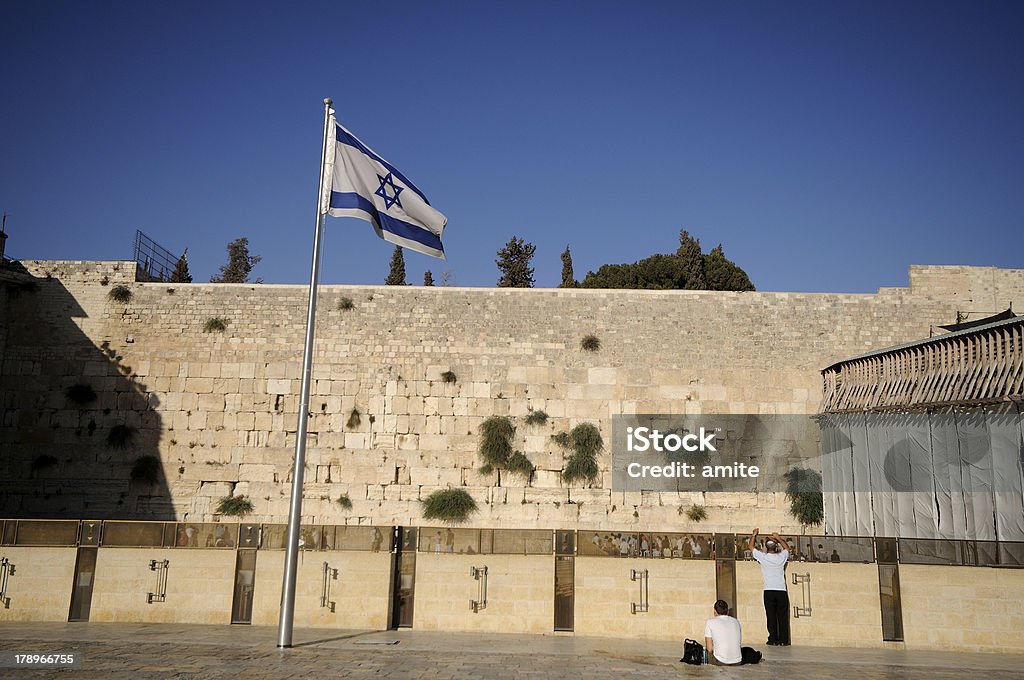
[(496, 450), (586, 444), (146, 470), (80, 394), (120, 293), (120, 436), (345, 304), (697, 513), (236, 506), (537, 417), (449, 505), (448, 377), (803, 491), (344, 501), (562, 439), (519, 464), (590, 343), (215, 325), (495, 443)]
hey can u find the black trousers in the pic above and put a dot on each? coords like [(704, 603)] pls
[(776, 610)]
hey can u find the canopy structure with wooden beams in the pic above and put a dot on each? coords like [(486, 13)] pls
[(971, 367)]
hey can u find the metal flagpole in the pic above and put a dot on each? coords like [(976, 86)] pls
[(291, 559)]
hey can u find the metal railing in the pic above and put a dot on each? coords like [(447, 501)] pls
[(631, 545), (156, 261)]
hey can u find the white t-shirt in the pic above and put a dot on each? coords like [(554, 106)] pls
[(724, 631), (773, 568)]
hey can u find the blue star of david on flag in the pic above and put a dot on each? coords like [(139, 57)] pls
[(358, 183), (390, 199)]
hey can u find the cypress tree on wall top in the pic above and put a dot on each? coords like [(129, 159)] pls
[(428, 278), (514, 263), (692, 261), (396, 277), (240, 264), (181, 273), (723, 274), (568, 281)]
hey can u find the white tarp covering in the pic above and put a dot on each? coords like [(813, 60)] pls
[(830, 475), (1005, 430), (922, 494), (949, 495), (976, 462), (944, 474), (860, 481)]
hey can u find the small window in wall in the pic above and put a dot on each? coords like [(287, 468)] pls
[(47, 532), (485, 541), (1011, 554), (892, 609), (885, 551), (725, 582), (7, 531), (565, 592), (135, 534), (528, 542), (928, 551), (645, 544), (367, 538), (833, 549), (208, 535)]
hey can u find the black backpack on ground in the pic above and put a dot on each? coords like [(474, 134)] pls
[(693, 652), (750, 655)]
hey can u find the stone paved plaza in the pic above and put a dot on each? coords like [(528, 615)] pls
[(121, 650)]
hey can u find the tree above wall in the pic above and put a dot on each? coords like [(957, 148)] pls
[(240, 264), (514, 264), (686, 269)]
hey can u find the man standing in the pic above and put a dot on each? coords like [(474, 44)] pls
[(776, 598), (722, 637)]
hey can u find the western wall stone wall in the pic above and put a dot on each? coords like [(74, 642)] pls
[(219, 409)]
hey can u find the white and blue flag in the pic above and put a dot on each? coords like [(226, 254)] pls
[(361, 184)]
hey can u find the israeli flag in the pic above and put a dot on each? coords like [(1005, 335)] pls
[(361, 184)]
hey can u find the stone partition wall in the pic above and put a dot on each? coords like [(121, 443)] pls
[(963, 609), (360, 593), (844, 602), (40, 588), (520, 593), (423, 367), (681, 594), (199, 586)]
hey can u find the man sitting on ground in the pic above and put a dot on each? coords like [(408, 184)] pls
[(722, 637)]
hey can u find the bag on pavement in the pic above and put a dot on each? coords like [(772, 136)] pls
[(693, 652)]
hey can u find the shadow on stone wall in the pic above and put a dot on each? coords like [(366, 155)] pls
[(78, 432)]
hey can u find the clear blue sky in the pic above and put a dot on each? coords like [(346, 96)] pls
[(827, 145)]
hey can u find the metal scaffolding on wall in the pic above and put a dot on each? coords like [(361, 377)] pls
[(155, 262)]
